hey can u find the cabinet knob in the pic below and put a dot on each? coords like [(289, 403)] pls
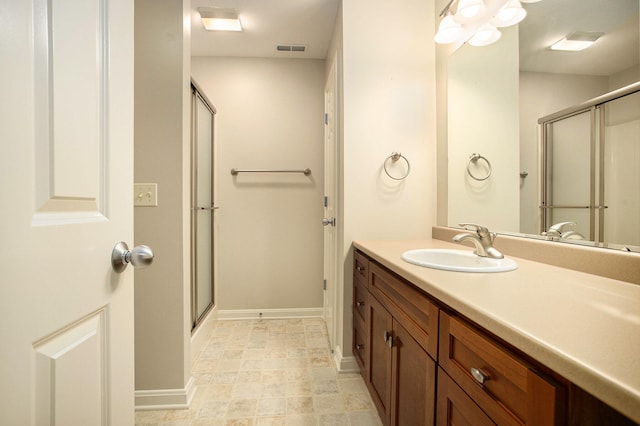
[(359, 347), (360, 268), (479, 375), (359, 303)]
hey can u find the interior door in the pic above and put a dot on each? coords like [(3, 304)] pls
[(66, 160), (330, 202)]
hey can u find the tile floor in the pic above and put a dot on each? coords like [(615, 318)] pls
[(269, 372)]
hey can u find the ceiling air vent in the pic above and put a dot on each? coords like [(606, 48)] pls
[(291, 48)]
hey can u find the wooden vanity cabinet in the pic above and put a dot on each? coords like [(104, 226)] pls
[(504, 386), (403, 339), (360, 298), (400, 372), (455, 407)]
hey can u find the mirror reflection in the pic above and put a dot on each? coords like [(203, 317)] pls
[(498, 99)]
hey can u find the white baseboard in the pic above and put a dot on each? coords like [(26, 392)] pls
[(166, 399), (345, 364), (241, 314)]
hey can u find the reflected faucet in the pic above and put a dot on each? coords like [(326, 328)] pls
[(482, 240), (556, 231)]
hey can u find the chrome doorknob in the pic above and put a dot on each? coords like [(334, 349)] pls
[(331, 221), (140, 257)]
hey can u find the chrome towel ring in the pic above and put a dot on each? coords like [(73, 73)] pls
[(394, 157), (474, 159)]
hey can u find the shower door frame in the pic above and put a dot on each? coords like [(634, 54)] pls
[(596, 107), (197, 94)]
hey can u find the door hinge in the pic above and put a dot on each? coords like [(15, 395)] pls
[(326, 118), (326, 201), (324, 284)]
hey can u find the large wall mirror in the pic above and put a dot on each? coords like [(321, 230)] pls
[(497, 97)]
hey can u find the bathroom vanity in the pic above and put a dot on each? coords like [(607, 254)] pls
[(540, 345)]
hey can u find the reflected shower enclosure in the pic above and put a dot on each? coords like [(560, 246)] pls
[(590, 168)]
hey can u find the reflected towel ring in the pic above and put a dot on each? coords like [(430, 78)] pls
[(395, 156), (474, 159)]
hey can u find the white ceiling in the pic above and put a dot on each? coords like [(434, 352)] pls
[(550, 20), (267, 23)]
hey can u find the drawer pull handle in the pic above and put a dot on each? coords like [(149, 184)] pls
[(359, 347), (360, 303), (388, 339), (479, 375), (360, 268)]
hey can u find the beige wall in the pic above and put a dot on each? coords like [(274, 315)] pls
[(388, 105), (477, 77), (162, 326), (269, 241)]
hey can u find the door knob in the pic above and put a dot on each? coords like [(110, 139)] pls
[(139, 257), (331, 221)]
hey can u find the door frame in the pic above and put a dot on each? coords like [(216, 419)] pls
[(331, 178)]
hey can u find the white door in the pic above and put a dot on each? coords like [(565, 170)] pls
[(66, 162), (330, 201)]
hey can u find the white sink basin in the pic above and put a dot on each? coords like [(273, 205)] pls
[(457, 260)]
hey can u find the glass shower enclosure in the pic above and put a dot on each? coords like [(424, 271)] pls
[(202, 206), (590, 160)]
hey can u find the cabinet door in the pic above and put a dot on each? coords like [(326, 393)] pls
[(455, 407), (413, 381), (379, 365), (503, 385)]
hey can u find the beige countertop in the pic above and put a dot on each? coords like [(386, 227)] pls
[(584, 327)]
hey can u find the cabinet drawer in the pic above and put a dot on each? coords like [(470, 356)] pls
[(504, 386), (360, 268), (359, 342), (454, 407), (408, 304), (360, 294)]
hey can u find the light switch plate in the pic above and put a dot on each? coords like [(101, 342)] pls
[(145, 194)]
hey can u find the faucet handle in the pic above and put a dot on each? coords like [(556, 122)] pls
[(479, 229)]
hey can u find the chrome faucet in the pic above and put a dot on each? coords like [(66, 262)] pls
[(556, 231), (482, 239)]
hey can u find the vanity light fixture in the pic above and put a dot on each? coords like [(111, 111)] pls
[(477, 23), (220, 19), (469, 9), (449, 30), (486, 35), (577, 41), (510, 14)]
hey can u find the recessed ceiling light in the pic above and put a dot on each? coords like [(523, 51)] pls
[(576, 41), (220, 19)]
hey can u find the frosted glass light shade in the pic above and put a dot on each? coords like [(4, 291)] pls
[(469, 9), (510, 14), (486, 35), (449, 30)]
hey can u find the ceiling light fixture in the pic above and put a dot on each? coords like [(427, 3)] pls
[(476, 22), (220, 19), (577, 41)]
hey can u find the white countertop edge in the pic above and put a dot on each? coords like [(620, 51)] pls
[(622, 396)]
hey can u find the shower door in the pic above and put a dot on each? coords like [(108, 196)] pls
[(202, 207), (590, 173)]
